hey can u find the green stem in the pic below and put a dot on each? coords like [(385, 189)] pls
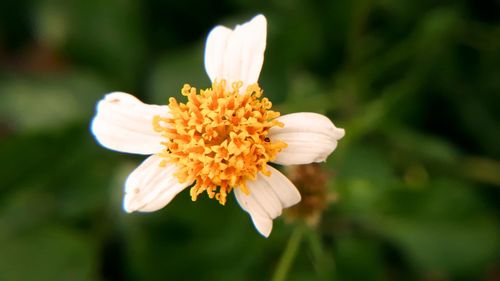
[(323, 262), (289, 254), (316, 247)]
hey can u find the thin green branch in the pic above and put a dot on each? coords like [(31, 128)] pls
[(289, 254)]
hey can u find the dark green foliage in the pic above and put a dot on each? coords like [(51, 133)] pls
[(416, 85)]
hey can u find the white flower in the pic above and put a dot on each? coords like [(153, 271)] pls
[(221, 139)]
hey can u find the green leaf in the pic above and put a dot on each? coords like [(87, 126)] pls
[(49, 102), (444, 229), (48, 253)]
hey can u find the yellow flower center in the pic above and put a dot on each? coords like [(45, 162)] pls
[(218, 139)]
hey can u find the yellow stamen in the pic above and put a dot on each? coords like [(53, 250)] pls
[(219, 138)]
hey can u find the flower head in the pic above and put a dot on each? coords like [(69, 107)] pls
[(311, 181), (219, 141)]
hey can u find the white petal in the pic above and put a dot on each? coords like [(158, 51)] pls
[(125, 124), (236, 55), (151, 187), (263, 224), (268, 196), (311, 137), (214, 51)]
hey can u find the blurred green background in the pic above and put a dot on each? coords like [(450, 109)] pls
[(417, 178)]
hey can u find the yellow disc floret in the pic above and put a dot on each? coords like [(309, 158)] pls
[(218, 139)]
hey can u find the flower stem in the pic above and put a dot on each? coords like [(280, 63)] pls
[(289, 254), (323, 262)]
